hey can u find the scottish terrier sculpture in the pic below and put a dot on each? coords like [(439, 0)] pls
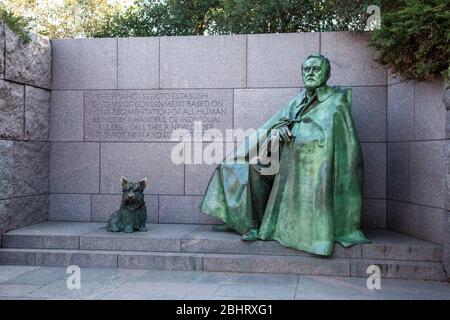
[(132, 214)]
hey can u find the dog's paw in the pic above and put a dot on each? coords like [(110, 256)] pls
[(112, 228), (128, 229)]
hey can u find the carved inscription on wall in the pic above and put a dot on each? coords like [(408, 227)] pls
[(152, 115)]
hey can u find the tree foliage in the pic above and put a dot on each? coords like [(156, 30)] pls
[(414, 40), (106, 18), (18, 24), (77, 18), (161, 18), (259, 16), (65, 18), (200, 17)]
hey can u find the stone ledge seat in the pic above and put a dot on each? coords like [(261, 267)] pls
[(189, 247)]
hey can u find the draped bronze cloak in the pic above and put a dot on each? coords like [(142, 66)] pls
[(316, 196)]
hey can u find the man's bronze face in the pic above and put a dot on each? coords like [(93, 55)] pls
[(314, 73)]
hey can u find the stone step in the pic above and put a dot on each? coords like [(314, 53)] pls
[(189, 238), (283, 264), (394, 269)]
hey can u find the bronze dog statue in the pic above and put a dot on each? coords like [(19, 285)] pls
[(132, 214)]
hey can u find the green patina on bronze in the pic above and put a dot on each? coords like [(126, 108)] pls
[(132, 214), (316, 196)]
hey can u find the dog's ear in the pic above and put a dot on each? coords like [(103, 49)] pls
[(123, 181), (143, 183)]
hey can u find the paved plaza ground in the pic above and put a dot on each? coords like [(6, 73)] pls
[(18, 282)]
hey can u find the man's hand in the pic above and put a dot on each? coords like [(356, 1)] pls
[(284, 133)]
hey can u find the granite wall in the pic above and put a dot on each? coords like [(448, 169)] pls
[(25, 81), (418, 161), (97, 82), (417, 152)]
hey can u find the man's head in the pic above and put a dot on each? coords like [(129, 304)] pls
[(315, 71)]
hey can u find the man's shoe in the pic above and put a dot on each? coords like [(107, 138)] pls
[(251, 235), (221, 227)]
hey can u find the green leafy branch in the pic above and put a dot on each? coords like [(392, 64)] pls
[(17, 24)]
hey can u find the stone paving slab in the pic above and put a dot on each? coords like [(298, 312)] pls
[(15, 290), (11, 272), (51, 228), (275, 292), (161, 290), (145, 275), (332, 288), (101, 283), (140, 296), (248, 278), (38, 276), (49, 235), (93, 289)]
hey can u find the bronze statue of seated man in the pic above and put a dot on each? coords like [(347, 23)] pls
[(315, 197)]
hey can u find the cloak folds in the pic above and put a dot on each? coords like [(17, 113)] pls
[(316, 196)]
